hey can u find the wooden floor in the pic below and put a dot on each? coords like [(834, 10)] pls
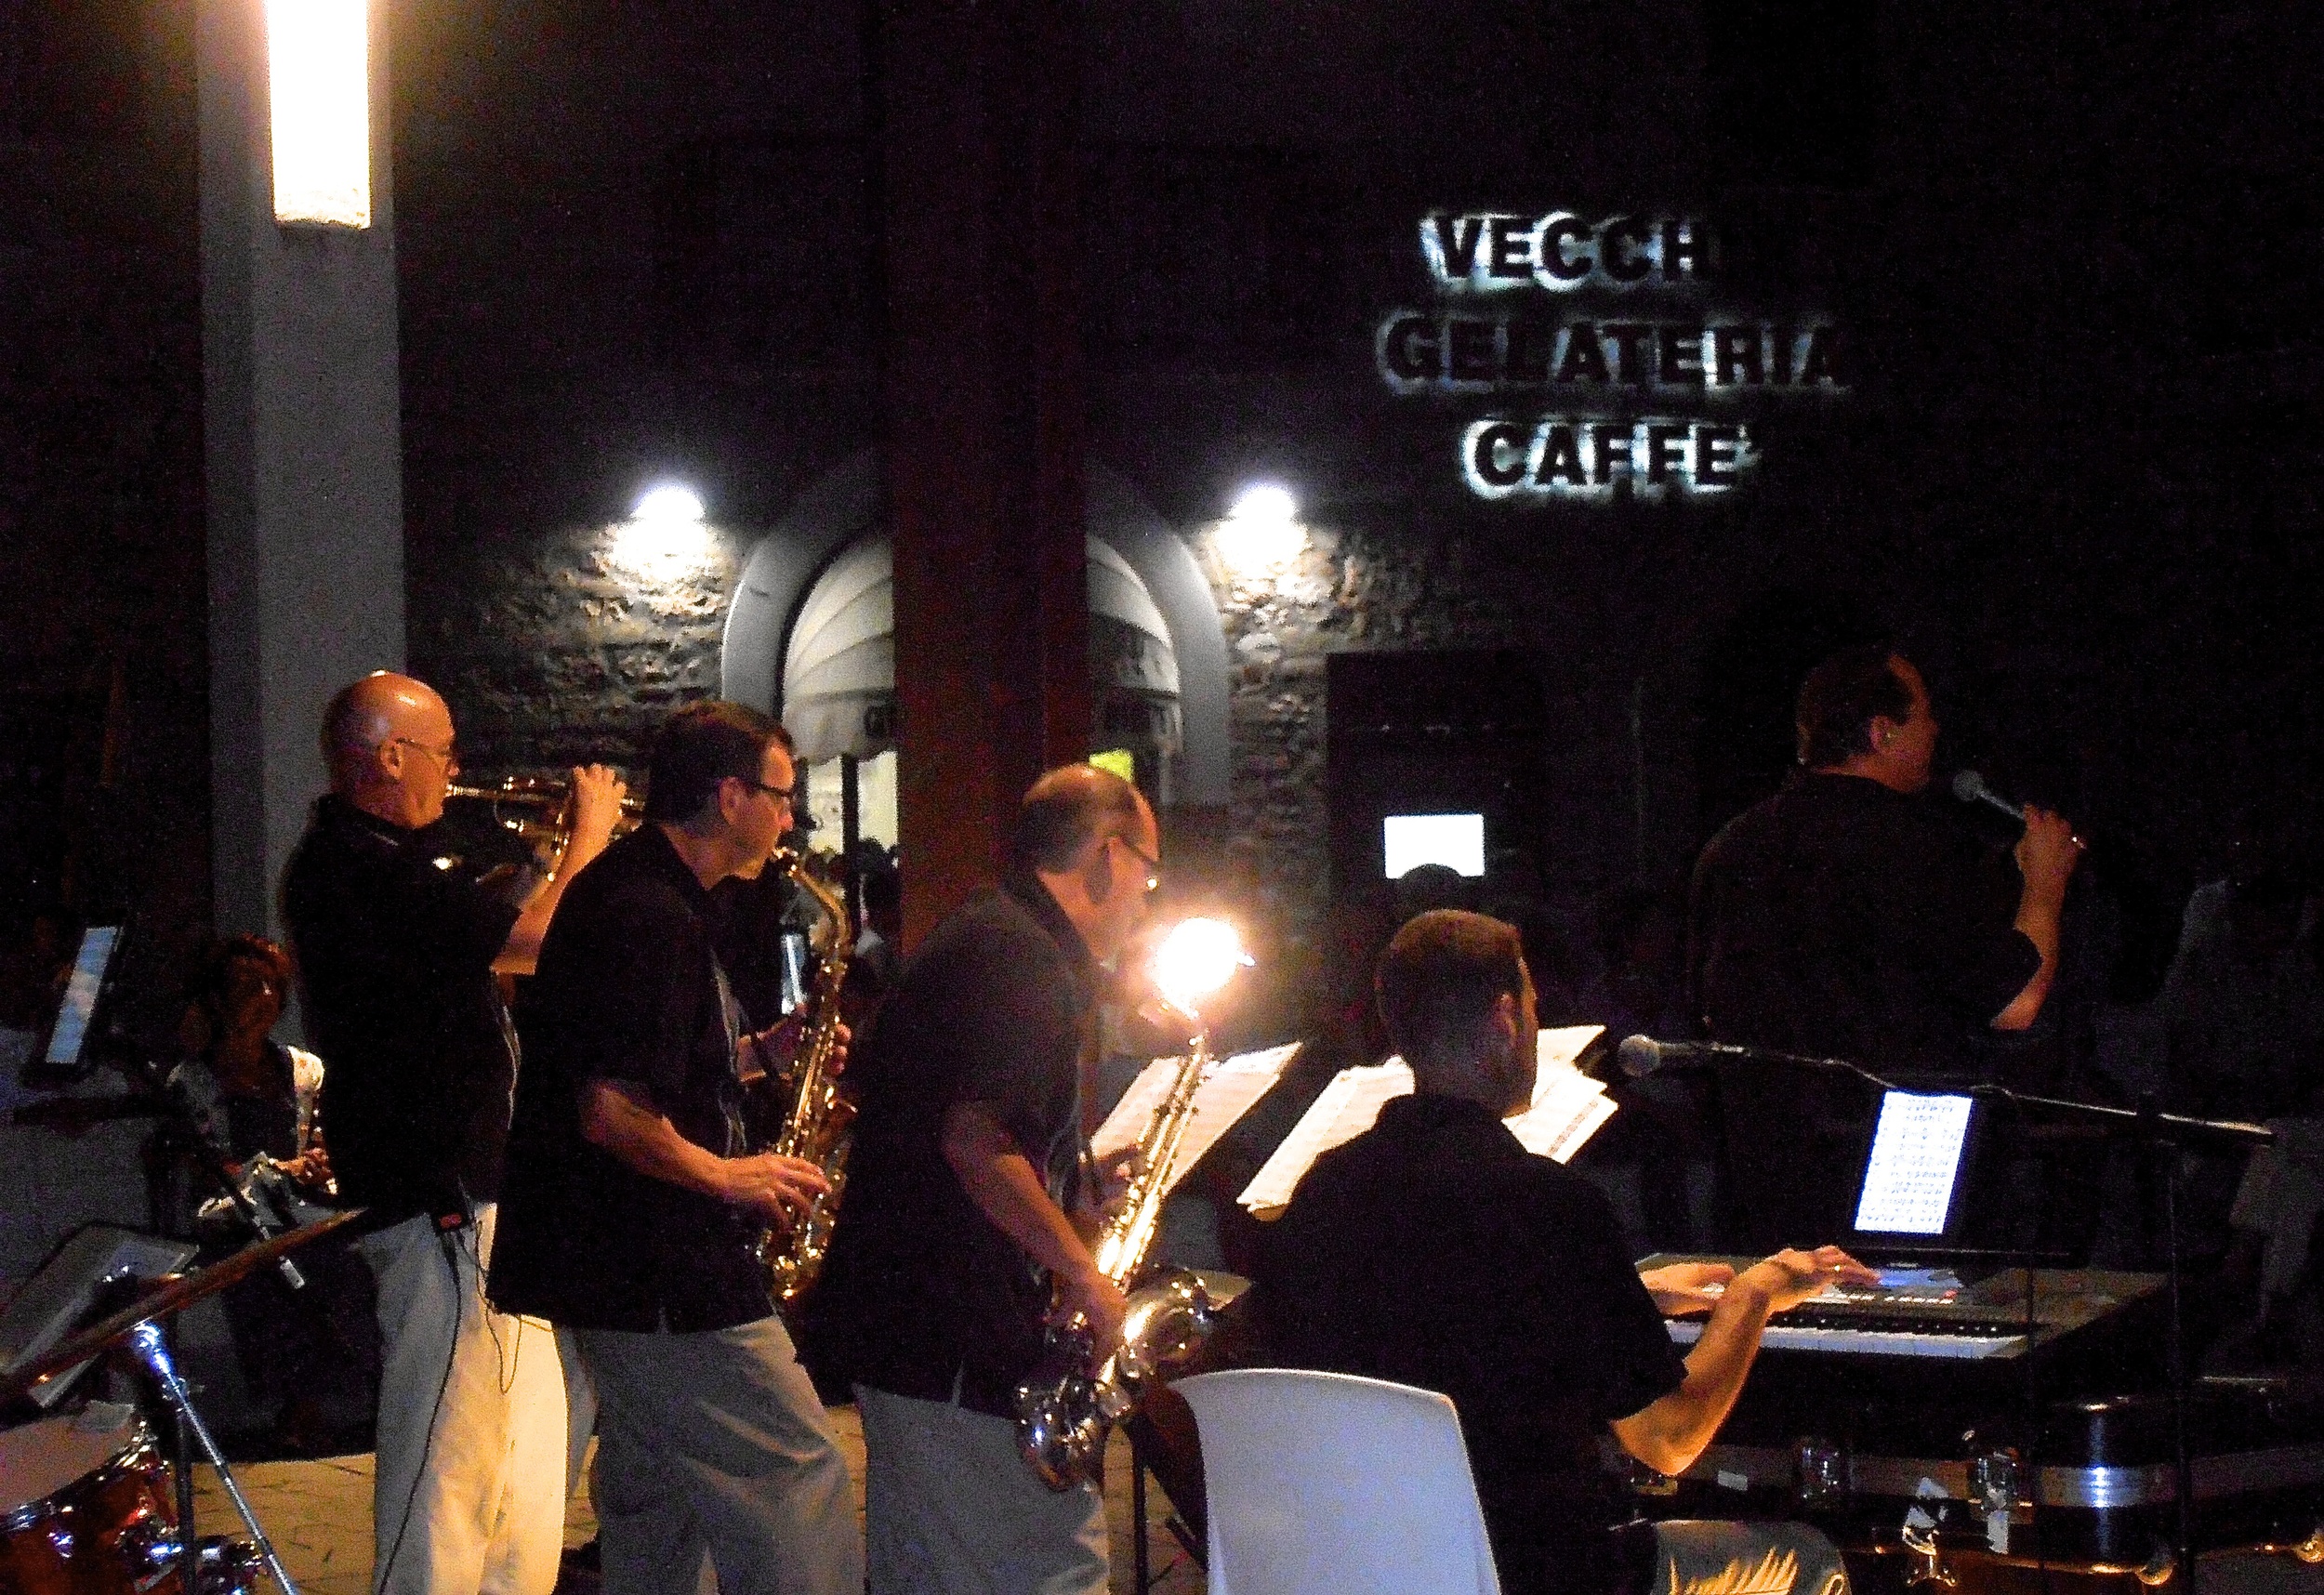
[(318, 1514)]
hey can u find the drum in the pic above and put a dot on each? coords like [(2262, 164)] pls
[(85, 1508)]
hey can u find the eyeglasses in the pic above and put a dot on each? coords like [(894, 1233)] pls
[(448, 754), (783, 795), (1153, 866)]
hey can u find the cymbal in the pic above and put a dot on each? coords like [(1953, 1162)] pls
[(170, 1294)]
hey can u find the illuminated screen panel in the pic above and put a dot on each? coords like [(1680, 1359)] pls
[(319, 81), (80, 994), (1454, 841), (1915, 1165)]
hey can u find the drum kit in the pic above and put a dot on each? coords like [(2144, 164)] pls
[(89, 1504)]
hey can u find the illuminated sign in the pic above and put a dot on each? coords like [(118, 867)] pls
[(1603, 320)]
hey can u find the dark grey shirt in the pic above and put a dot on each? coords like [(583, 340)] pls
[(997, 1008), (627, 989)]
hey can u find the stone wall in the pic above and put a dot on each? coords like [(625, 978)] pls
[(571, 646)]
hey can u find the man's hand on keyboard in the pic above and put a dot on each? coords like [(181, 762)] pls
[(1681, 1288), (1792, 1276)]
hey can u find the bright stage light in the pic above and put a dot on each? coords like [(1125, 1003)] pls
[(318, 84), (1261, 535), (1196, 958)]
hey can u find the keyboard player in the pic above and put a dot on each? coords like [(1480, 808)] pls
[(1436, 1251)]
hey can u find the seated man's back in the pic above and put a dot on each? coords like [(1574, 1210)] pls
[(1436, 1251)]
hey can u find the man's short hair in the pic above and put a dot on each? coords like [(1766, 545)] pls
[(1842, 697), (701, 745), (1066, 809), (1439, 980)]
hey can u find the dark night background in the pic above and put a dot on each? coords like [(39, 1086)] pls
[(2074, 250)]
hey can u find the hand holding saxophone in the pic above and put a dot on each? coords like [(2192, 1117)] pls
[(1087, 1294), (771, 1186), (770, 1051)]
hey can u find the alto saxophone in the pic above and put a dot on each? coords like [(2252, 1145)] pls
[(816, 1124), (1069, 1403)]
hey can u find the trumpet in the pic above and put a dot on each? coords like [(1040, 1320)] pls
[(538, 810)]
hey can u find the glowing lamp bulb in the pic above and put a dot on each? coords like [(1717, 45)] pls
[(1264, 503), (1196, 958), (668, 506), (1261, 535)]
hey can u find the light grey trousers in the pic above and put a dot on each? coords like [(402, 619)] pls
[(466, 1497), (951, 1508), (714, 1444)]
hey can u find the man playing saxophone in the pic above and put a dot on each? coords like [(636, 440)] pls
[(633, 1206), (970, 1200)]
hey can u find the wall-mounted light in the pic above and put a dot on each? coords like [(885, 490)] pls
[(318, 84), (665, 536), (1262, 535)]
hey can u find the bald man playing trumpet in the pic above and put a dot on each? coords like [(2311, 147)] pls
[(397, 950)]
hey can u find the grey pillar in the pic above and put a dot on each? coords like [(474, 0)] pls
[(305, 461)]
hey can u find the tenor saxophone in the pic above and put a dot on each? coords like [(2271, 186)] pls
[(1081, 1390), (817, 1121)]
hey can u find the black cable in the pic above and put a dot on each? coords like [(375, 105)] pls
[(450, 1242)]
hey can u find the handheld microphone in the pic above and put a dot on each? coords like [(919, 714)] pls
[(1970, 787)]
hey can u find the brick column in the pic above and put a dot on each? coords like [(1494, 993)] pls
[(974, 108)]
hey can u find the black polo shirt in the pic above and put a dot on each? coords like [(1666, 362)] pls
[(1436, 1251), (1841, 919), (627, 989), (997, 1006), (395, 946)]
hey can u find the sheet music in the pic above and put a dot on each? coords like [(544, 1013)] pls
[(1915, 1159), (1345, 1111), (1568, 1107), (1229, 1087)]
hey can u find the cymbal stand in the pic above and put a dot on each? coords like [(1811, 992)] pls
[(151, 1350)]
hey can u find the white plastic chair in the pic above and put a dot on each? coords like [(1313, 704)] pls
[(1330, 1485)]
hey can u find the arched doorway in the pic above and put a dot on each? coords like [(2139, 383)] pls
[(837, 684), (831, 524)]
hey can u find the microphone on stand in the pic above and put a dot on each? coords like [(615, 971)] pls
[(1643, 1055)]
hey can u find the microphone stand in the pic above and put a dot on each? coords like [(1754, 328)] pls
[(2163, 1135)]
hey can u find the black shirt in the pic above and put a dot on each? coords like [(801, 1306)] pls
[(627, 989), (1434, 1250), (395, 946), (1841, 919), (997, 1007)]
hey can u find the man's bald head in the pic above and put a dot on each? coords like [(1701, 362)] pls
[(1066, 809), (387, 743), (1090, 840)]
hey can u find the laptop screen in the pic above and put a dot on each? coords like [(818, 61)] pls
[(1912, 1174)]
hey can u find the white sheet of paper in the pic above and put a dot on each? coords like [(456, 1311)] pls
[(1229, 1087), (1568, 1107)]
